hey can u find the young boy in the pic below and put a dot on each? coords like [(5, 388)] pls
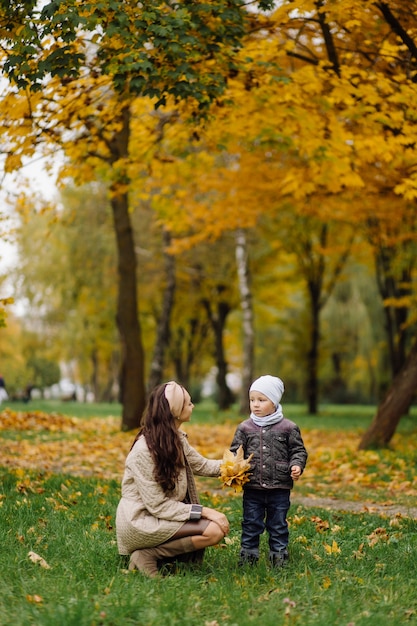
[(279, 458)]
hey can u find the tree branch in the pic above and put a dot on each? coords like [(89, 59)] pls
[(328, 38), (396, 27), (302, 57)]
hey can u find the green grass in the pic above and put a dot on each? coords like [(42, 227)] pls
[(72, 409), (329, 417), (70, 523)]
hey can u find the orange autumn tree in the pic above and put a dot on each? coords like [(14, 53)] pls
[(76, 69), (373, 87), (231, 190), (324, 115), (367, 101)]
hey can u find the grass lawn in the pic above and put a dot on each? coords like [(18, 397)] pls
[(345, 569), (72, 409)]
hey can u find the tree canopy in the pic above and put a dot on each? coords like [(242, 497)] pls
[(299, 115)]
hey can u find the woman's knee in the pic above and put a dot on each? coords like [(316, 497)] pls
[(214, 533)]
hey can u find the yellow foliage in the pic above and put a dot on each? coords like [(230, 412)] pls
[(235, 469), (13, 162), (326, 582), (333, 548), (335, 467)]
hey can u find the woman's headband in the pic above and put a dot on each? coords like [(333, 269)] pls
[(174, 393)]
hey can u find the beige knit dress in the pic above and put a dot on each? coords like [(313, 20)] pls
[(146, 516)]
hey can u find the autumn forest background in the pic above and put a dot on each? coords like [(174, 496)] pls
[(236, 186), (237, 194)]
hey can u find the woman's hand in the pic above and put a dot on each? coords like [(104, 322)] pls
[(218, 518)]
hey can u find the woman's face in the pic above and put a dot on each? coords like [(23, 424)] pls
[(187, 409)]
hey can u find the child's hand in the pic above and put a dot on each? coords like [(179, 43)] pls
[(295, 472)]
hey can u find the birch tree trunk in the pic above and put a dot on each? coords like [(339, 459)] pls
[(243, 274)]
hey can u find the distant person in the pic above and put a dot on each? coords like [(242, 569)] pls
[(3, 393), (279, 458), (159, 515)]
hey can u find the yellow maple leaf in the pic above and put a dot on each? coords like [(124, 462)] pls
[(333, 549), (326, 582), (234, 471)]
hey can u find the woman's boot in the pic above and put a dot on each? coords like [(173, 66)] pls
[(146, 560)]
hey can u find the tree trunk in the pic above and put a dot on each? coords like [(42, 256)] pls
[(396, 316), (163, 330), (225, 395), (247, 313), (396, 404), (94, 376), (312, 355), (132, 386), (185, 348), (218, 323), (111, 378)]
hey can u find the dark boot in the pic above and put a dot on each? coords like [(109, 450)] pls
[(278, 559), (246, 558), (146, 560)]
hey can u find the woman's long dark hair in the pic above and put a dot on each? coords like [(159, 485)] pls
[(162, 438)]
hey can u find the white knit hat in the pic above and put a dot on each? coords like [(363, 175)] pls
[(271, 386)]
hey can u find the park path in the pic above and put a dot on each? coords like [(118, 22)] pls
[(334, 504)]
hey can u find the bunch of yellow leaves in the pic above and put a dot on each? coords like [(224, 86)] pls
[(234, 471)]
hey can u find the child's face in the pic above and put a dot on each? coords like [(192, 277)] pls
[(260, 405)]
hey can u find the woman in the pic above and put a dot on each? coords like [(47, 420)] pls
[(159, 515)]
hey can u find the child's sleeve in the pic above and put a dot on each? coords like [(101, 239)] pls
[(239, 439), (298, 452)]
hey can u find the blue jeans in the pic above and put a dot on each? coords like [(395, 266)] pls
[(265, 508)]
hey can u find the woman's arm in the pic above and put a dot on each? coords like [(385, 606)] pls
[(200, 465)]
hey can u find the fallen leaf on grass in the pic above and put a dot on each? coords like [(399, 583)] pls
[(359, 553), (97, 448), (268, 594), (379, 534), (321, 525), (229, 541), (234, 471), (35, 558), (35, 598), (333, 549)]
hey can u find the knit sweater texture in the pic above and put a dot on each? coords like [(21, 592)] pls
[(146, 516)]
